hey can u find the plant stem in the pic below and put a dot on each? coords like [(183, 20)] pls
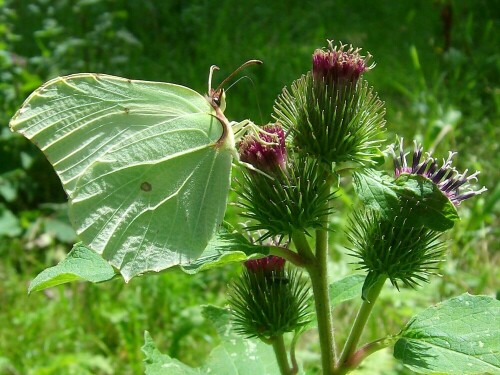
[(358, 326), (287, 254), (317, 267), (319, 280), (303, 248), (281, 355), (369, 349)]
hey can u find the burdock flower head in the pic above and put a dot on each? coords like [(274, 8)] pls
[(265, 151), (268, 299), (394, 249), (270, 266), (456, 186), (336, 64), (331, 112)]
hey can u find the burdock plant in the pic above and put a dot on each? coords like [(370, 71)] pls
[(330, 116), (147, 169)]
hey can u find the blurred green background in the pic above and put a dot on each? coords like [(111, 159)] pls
[(438, 71)]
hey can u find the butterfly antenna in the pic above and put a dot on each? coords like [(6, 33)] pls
[(212, 68), (242, 66), (257, 99)]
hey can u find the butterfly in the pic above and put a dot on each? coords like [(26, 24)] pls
[(146, 165)]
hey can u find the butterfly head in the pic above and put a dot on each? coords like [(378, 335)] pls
[(217, 97)]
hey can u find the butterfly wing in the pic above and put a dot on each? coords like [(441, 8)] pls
[(146, 182)]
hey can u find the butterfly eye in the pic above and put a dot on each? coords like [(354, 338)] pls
[(217, 97)]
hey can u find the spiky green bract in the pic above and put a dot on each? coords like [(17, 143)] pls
[(265, 305), (335, 123), (388, 247), (292, 200)]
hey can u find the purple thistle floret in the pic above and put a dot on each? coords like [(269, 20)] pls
[(268, 265), (267, 153), (337, 64), (446, 177)]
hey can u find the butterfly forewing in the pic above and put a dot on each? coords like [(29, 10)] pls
[(147, 187)]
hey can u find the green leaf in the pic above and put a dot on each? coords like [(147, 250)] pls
[(9, 223), (411, 197), (227, 246), (80, 264), (457, 336), (234, 356), (340, 291), (160, 364), (346, 289), (426, 203)]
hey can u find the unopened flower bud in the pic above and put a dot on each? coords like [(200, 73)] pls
[(390, 247), (269, 300), (292, 200)]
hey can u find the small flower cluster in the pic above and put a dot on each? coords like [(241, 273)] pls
[(267, 151), (269, 300), (292, 195), (337, 64), (267, 265), (332, 114), (393, 245), (446, 177)]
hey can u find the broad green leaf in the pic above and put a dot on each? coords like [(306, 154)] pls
[(234, 356), (458, 336), (227, 246), (340, 291), (9, 223), (157, 363), (146, 165), (411, 197), (346, 289), (428, 205), (61, 229), (80, 264)]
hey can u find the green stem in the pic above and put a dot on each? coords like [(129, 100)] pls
[(358, 327), (293, 359), (317, 267), (368, 349), (303, 248), (319, 280), (287, 254), (281, 355)]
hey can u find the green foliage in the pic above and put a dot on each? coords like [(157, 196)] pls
[(235, 355), (80, 264), (346, 289), (413, 199), (445, 94), (457, 336), (227, 246)]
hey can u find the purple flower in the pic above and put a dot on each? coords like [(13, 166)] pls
[(268, 151), (338, 64), (447, 178), (268, 265)]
